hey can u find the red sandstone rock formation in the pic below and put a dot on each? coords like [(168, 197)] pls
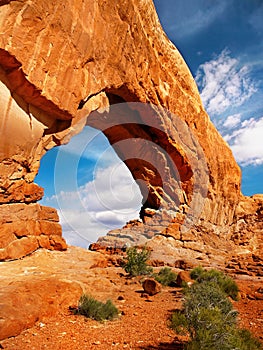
[(27, 227), (65, 64)]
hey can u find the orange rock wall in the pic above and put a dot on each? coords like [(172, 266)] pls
[(60, 61)]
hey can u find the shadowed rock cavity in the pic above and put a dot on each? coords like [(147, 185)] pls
[(164, 175)]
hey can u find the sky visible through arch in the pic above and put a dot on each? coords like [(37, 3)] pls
[(222, 43)]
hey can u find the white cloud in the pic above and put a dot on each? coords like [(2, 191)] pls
[(232, 121), (107, 202), (223, 83), (247, 142), (112, 188)]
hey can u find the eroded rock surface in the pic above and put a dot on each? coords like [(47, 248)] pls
[(45, 283), (27, 227), (64, 65)]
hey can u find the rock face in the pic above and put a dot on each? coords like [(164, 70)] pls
[(27, 227), (33, 294), (64, 65), (44, 284)]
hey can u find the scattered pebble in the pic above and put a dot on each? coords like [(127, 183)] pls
[(63, 333), (97, 343)]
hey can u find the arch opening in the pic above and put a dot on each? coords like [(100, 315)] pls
[(92, 190), (153, 158), (152, 152)]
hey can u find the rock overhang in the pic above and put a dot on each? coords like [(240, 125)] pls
[(63, 64)]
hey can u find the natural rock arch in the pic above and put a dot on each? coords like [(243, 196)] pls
[(59, 63)]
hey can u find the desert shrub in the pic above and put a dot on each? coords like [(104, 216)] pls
[(208, 318), (204, 306), (229, 341), (244, 340), (95, 309), (206, 295), (136, 264), (196, 272), (226, 283), (165, 276)]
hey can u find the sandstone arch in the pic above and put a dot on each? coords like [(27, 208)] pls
[(62, 61)]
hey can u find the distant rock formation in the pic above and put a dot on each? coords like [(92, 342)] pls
[(64, 65)]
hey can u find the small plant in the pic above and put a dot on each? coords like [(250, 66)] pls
[(243, 340), (208, 317), (136, 264), (92, 308), (166, 277), (196, 272), (205, 306), (226, 283)]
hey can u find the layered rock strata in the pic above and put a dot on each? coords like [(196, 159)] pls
[(27, 227), (64, 65)]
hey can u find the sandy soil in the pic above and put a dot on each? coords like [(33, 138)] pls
[(142, 325)]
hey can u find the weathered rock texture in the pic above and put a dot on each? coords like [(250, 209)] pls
[(45, 283), (65, 64), (27, 227)]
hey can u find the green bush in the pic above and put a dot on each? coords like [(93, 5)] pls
[(196, 272), (243, 340), (208, 317), (226, 283), (136, 264), (205, 306), (92, 308), (166, 277), (206, 295)]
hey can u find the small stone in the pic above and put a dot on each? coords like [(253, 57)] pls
[(144, 295), (258, 296), (184, 277), (151, 286)]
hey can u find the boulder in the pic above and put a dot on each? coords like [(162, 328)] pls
[(27, 227), (47, 282), (25, 302), (151, 286), (183, 277)]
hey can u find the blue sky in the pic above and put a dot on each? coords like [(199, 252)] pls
[(222, 43)]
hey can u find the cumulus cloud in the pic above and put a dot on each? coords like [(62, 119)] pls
[(107, 202), (246, 142), (232, 121), (223, 83)]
